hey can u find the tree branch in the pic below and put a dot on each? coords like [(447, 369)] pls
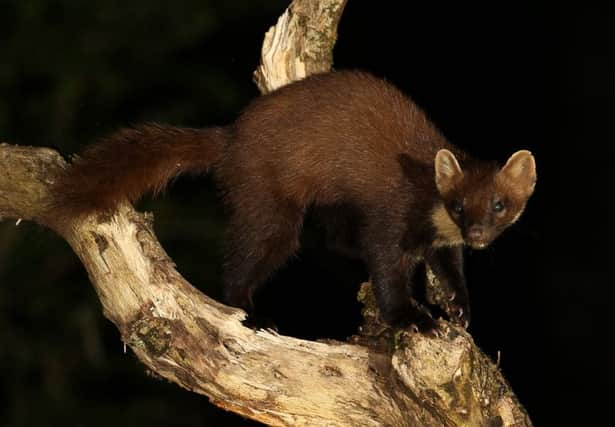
[(381, 377), (300, 44)]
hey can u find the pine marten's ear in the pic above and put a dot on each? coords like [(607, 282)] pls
[(519, 173), (448, 171)]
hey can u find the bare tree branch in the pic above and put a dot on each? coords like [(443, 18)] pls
[(300, 44), (383, 377)]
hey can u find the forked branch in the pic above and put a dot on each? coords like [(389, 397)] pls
[(381, 378)]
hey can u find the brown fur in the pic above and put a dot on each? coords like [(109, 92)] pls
[(338, 139), (125, 165), (479, 187)]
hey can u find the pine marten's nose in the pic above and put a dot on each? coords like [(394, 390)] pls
[(476, 232)]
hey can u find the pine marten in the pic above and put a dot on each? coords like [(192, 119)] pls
[(334, 139)]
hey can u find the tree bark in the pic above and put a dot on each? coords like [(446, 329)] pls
[(380, 377)]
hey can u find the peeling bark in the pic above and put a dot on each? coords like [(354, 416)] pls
[(380, 377), (300, 44)]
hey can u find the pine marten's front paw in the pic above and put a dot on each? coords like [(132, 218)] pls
[(425, 323), (255, 322), (413, 316), (457, 309)]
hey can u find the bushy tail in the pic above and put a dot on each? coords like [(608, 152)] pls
[(130, 163)]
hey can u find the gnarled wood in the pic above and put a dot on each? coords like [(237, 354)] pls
[(382, 377), (300, 44)]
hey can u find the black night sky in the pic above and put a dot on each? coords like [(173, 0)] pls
[(494, 76)]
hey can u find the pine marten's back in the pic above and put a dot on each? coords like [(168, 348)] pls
[(327, 137)]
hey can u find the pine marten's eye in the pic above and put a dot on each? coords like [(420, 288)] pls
[(498, 206), (457, 207)]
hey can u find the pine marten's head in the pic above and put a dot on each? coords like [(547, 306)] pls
[(482, 200)]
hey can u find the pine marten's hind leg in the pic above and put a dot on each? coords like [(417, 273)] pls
[(261, 236)]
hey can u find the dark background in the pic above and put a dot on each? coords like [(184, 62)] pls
[(495, 76)]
